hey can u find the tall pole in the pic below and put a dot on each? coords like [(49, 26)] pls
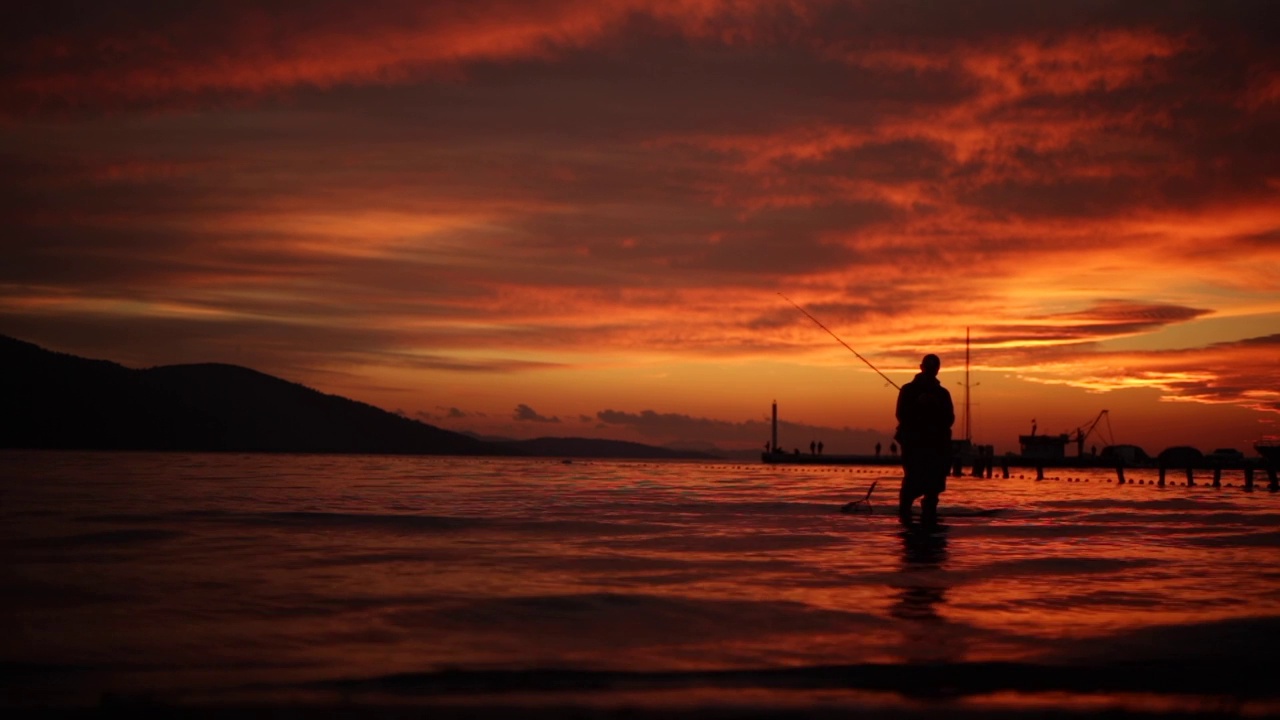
[(773, 447), (968, 436)]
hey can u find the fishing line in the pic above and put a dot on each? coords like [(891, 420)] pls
[(837, 337)]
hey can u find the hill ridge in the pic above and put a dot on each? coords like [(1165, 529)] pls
[(56, 400)]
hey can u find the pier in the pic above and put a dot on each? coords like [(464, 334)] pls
[(981, 462), (1209, 469)]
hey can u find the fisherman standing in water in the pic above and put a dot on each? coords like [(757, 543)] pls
[(925, 416)]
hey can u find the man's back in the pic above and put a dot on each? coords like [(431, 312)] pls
[(925, 413)]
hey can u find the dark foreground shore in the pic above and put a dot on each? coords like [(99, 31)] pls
[(744, 709), (953, 690)]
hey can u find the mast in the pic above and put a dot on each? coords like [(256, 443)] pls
[(968, 435), (773, 446)]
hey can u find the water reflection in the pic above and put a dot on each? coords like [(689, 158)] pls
[(920, 591)]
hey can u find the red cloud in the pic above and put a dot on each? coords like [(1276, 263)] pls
[(173, 56)]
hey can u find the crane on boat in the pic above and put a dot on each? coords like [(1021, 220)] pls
[(1082, 433)]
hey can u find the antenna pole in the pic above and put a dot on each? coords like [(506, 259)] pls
[(968, 435), (837, 337)]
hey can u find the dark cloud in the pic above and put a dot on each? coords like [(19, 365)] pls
[(891, 162), (524, 413), (445, 414), (1106, 318), (653, 424), (678, 427), (1242, 372), (1132, 313), (445, 362)]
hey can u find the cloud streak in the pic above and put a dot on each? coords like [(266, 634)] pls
[(1240, 373)]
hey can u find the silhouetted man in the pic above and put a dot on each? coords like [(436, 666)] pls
[(925, 416)]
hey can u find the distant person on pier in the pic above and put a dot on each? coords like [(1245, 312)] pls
[(877, 449), (925, 416), (813, 448), (819, 447), (893, 449)]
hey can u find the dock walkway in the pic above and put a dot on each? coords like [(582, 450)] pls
[(980, 468)]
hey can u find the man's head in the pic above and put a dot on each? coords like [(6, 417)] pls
[(930, 365)]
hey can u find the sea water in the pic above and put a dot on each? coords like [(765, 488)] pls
[(207, 579)]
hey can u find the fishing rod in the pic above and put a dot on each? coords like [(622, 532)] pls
[(837, 337)]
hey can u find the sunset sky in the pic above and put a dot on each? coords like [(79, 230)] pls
[(575, 217)]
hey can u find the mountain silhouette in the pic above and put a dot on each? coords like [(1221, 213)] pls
[(54, 400), (58, 401)]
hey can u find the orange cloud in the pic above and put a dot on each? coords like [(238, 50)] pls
[(1242, 373)]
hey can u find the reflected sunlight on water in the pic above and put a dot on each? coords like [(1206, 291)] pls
[(182, 575)]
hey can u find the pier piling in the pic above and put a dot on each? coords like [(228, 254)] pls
[(1191, 478), (1120, 475), (1272, 484), (1248, 478), (1161, 483), (1217, 476)]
